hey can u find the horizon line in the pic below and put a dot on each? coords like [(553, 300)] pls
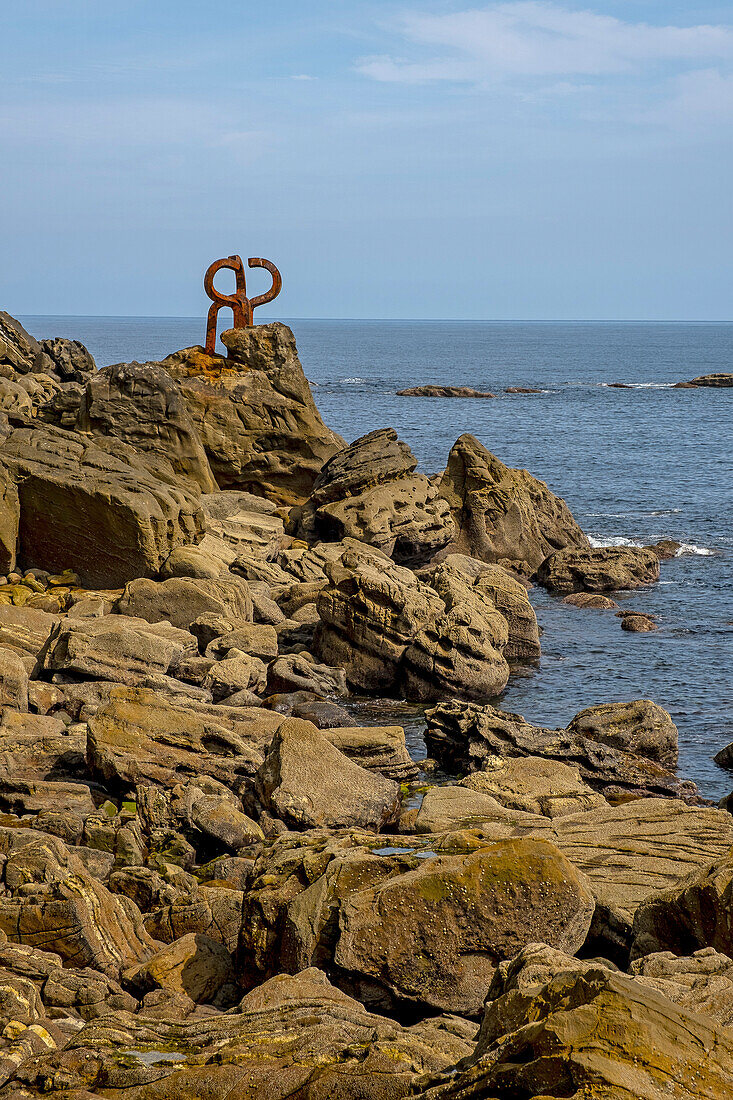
[(399, 320)]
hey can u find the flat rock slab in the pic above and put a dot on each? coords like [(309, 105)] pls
[(115, 647)]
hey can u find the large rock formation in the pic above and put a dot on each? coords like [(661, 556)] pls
[(19, 351), (255, 414), (140, 404), (387, 629), (371, 492), (504, 515), (601, 569), (9, 521), (99, 512)]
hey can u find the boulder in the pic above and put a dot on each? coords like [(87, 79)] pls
[(379, 748), (9, 521), (693, 913), (593, 600), (69, 359), (255, 414), (19, 351), (13, 680), (389, 630), (299, 672), (256, 639), (701, 982), (462, 736), (139, 738), (640, 726), (503, 515), (535, 785), (237, 672), (306, 782), (371, 492), (589, 1032), (26, 629), (194, 965), (181, 600), (442, 928), (635, 623), (101, 513), (246, 523), (116, 647), (600, 569), (140, 404)]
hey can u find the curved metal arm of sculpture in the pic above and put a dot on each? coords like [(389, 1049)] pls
[(240, 305)]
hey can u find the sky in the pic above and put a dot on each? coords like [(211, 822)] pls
[(529, 159)]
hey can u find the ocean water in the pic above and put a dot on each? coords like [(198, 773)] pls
[(638, 464)]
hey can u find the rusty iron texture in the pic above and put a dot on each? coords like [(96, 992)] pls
[(241, 306)]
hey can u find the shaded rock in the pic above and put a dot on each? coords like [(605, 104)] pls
[(19, 351), (694, 913), (139, 738), (461, 736), (9, 521), (103, 513), (443, 391), (181, 600), (215, 912), (195, 965), (665, 549), (641, 727), (599, 569), (246, 523), (589, 599), (380, 748), (13, 680), (503, 515), (115, 647), (237, 672), (702, 982), (296, 672), (307, 782), (324, 714), (256, 639), (590, 1032), (443, 927), (255, 414), (371, 492), (140, 404), (69, 359)]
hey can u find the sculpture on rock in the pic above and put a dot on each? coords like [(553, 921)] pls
[(241, 306)]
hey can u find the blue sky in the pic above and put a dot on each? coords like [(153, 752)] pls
[(526, 159)]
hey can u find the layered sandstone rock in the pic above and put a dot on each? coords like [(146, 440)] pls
[(100, 512), (9, 521), (255, 414), (372, 492), (140, 404), (501, 514)]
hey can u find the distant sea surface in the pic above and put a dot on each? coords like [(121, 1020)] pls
[(634, 465)]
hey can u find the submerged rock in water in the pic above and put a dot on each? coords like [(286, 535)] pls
[(443, 391), (501, 514)]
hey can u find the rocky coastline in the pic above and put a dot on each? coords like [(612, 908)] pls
[(215, 880)]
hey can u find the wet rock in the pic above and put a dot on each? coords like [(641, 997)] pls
[(461, 736), (599, 569), (589, 599), (522, 389), (590, 1029), (636, 623), (101, 512), (255, 414), (116, 647), (306, 782), (504, 515), (443, 391), (640, 726), (140, 404), (181, 600), (371, 492)]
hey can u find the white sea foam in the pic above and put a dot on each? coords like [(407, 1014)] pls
[(599, 542), (352, 381), (690, 548)]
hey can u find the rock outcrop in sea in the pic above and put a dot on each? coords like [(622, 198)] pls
[(214, 879)]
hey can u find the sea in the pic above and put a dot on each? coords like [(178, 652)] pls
[(635, 465)]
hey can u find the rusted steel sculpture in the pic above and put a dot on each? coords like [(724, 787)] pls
[(240, 305)]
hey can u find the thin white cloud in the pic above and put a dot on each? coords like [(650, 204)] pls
[(540, 39)]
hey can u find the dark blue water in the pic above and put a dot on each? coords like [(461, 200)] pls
[(641, 464)]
